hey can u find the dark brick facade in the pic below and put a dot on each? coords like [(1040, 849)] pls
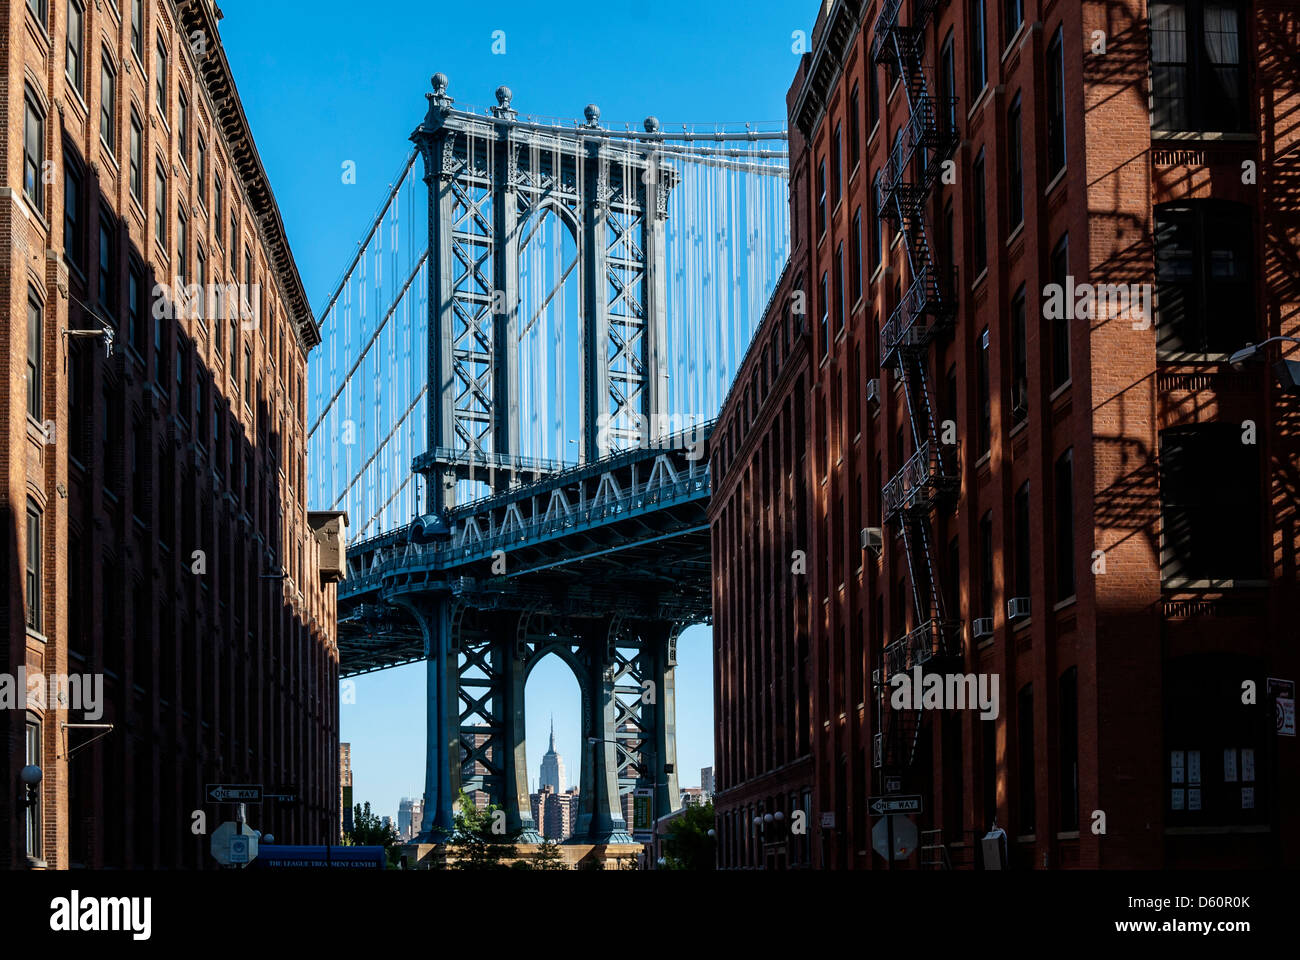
[(176, 554), (1090, 479)]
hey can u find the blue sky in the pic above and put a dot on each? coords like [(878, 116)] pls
[(330, 82)]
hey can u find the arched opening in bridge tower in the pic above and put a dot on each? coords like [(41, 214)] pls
[(552, 696), (550, 338)]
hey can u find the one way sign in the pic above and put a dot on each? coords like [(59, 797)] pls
[(235, 792), (898, 803)]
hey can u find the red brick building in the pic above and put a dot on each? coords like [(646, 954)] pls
[(156, 531), (1073, 492)]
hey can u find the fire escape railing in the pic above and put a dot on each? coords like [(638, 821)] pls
[(929, 478)]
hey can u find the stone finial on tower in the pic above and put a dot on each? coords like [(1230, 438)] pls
[(439, 96), (592, 113), (502, 109), (652, 124)]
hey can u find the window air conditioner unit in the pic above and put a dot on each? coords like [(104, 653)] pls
[(982, 627), (873, 391), (1017, 608), (872, 539)]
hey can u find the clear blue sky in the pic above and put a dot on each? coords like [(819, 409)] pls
[(329, 82)]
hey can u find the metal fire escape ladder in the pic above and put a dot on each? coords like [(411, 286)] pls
[(927, 307)]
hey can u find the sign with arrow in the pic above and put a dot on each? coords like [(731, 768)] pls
[(235, 792), (898, 803)]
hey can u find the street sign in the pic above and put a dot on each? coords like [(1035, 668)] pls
[(904, 837), (1280, 688), (828, 819), (230, 845), (235, 792), (1285, 717), (287, 797), (899, 803), (238, 849), (893, 784)]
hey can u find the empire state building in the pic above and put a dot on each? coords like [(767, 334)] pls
[(552, 767)]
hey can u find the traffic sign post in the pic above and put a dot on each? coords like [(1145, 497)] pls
[(234, 843)]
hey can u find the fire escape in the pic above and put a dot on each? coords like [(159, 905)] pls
[(927, 307)]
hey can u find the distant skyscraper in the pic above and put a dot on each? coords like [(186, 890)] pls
[(552, 766), (410, 814), (345, 786), (706, 782)]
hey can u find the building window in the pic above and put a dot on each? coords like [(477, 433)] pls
[(35, 613), (839, 285), (1198, 78), (877, 225), (1060, 270), (182, 225), (217, 214), (37, 7), (1013, 15), (948, 85), (33, 154), (978, 55), (989, 755), (160, 204), (135, 308), (1025, 744), (1015, 167), (137, 159), (200, 279), (1204, 269), (837, 171), (137, 29), (32, 814), (855, 133), (201, 169), (1055, 105), (1210, 504), (985, 394), (1019, 360), (821, 198), (160, 78), (1063, 498), (108, 105), (76, 45), (35, 352), (1067, 701), (73, 240), (986, 565), (825, 322), (855, 255), (107, 268), (248, 377), (980, 220), (159, 352), (1021, 519)]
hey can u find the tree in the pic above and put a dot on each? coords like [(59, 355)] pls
[(370, 830), (478, 839), (548, 857), (688, 845)]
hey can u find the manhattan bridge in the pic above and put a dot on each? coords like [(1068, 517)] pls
[(517, 381)]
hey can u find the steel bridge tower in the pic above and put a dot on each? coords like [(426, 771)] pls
[(489, 177), (929, 480)]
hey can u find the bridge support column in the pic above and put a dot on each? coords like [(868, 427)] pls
[(514, 762), (442, 738), (601, 819), (659, 665)]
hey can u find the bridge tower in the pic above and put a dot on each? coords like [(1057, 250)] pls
[(487, 176), (929, 480)]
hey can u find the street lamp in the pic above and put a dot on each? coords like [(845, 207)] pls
[(30, 778)]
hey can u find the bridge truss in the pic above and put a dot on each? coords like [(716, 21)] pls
[(522, 365)]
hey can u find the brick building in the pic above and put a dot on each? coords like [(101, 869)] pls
[(758, 515), (156, 529), (1020, 396)]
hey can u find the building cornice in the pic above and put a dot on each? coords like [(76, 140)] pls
[(218, 80), (832, 37)]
